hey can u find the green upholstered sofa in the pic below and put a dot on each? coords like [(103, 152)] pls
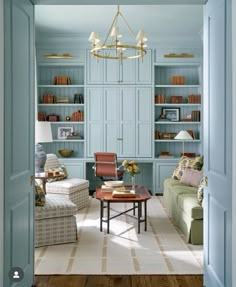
[(183, 207)]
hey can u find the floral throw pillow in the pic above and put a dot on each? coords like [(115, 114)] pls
[(39, 193), (187, 162), (200, 191), (61, 173)]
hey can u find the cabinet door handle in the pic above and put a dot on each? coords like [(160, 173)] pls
[(119, 139)]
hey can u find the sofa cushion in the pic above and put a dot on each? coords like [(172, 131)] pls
[(189, 203), (191, 177), (55, 206), (67, 186), (200, 191), (187, 162)]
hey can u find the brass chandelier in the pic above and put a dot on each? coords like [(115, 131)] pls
[(116, 49)]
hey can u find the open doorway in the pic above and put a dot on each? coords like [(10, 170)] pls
[(43, 35)]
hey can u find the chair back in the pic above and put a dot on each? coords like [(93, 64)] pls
[(105, 164)]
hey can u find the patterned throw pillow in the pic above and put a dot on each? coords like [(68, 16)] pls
[(191, 177), (187, 162), (60, 170), (39, 193), (200, 191)]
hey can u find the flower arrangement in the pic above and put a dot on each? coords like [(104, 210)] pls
[(131, 167)]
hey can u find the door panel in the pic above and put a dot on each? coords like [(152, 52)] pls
[(217, 148), (19, 143)]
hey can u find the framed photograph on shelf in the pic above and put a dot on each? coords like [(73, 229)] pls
[(171, 114), (63, 132)]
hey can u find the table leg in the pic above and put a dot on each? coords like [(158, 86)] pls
[(101, 214), (134, 208), (139, 215), (145, 215), (108, 217)]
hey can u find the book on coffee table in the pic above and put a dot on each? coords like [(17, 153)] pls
[(124, 193)]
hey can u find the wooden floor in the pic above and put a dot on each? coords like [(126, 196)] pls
[(119, 281)]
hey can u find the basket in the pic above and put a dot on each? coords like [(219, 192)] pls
[(65, 152)]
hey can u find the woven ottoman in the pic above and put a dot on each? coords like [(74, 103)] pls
[(74, 189), (55, 222)]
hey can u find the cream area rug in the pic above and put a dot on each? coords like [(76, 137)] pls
[(160, 250)]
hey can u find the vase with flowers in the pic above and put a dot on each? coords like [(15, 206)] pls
[(131, 167)]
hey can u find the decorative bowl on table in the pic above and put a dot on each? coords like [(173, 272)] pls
[(114, 183), (65, 152)]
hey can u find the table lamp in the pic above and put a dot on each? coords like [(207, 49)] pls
[(43, 133), (183, 135)]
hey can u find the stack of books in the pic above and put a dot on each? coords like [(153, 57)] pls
[(165, 154)]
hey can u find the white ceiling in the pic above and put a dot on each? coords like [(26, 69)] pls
[(158, 21)]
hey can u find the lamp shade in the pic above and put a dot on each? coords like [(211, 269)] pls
[(43, 132), (183, 135)]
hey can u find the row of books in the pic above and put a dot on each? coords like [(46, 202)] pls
[(195, 116), (177, 80), (52, 99), (194, 99), (78, 116), (160, 99), (191, 99), (62, 80)]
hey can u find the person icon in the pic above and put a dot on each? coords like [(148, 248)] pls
[(16, 275)]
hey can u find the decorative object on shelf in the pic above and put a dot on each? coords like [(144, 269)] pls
[(74, 136), (131, 167), (177, 80), (176, 99), (53, 118), (165, 154), (67, 118), (157, 135), (78, 116), (59, 56), (65, 152), (43, 133), (171, 114), (183, 136), (192, 134), (188, 154), (182, 55), (62, 80), (116, 49), (187, 117), (163, 118), (63, 132)]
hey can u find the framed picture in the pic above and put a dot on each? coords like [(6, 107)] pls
[(63, 132), (171, 114)]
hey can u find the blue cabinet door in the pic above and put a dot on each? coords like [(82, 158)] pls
[(144, 136), (95, 131), (19, 141), (218, 149), (127, 122)]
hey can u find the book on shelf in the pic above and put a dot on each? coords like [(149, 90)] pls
[(194, 99), (196, 116), (165, 154), (160, 99)]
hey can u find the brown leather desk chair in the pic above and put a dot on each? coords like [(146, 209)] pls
[(106, 166)]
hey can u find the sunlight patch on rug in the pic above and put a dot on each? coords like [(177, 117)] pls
[(160, 250)]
